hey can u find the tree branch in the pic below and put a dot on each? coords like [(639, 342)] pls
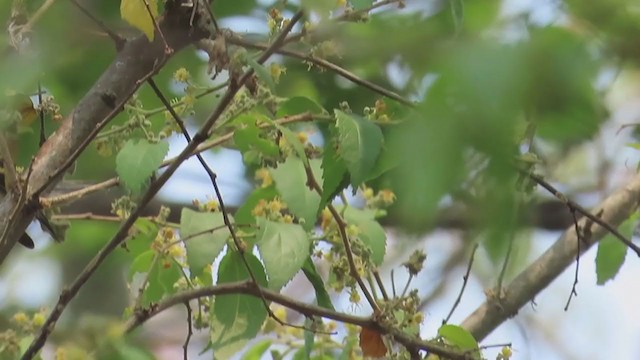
[(537, 276), (248, 288), (137, 60)]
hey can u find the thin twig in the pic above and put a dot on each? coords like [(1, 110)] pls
[(69, 293), (37, 15), (167, 49), (117, 39), (572, 205), (309, 310), (71, 196), (465, 279), (376, 275), (43, 138), (574, 291), (185, 346), (342, 230), (212, 177), (326, 65), (512, 235), (393, 284)]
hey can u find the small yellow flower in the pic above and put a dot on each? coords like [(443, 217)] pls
[(264, 176), (61, 354), (20, 318), (212, 206), (276, 71), (168, 233), (381, 107), (354, 297), (367, 193), (353, 230), (258, 210), (177, 251), (302, 137), (181, 75), (275, 205), (331, 326), (387, 196), (326, 219), (39, 319), (287, 219)]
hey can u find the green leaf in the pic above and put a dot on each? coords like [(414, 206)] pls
[(290, 179), (257, 350), (372, 234), (138, 160), (202, 249), (295, 143), (244, 213), (361, 4), (347, 349), (141, 263), (236, 319), (457, 11), (298, 105), (612, 252), (421, 181), (161, 279), (263, 74), (359, 144), (135, 13), (385, 163), (247, 137), (458, 336), (564, 103), (145, 232), (322, 295), (334, 174), (283, 249)]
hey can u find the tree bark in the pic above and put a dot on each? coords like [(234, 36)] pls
[(136, 61)]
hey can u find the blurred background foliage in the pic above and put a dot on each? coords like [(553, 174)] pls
[(483, 81)]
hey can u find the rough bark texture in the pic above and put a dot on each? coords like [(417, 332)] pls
[(134, 63)]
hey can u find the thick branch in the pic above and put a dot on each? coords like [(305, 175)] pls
[(137, 60), (615, 209)]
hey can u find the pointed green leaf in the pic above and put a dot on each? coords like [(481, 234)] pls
[(263, 74), (334, 173), (257, 350), (247, 137), (142, 263), (290, 179), (161, 279), (359, 144), (236, 319), (295, 143), (612, 252), (322, 295), (138, 160), (202, 249), (144, 233), (372, 234), (458, 336), (244, 214), (283, 248), (298, 105)]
